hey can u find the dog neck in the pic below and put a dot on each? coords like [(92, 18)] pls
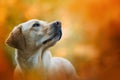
[(30, 60)]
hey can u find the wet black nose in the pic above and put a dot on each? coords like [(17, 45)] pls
[(57, 24)]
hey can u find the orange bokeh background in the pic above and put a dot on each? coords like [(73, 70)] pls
[(91, 34)]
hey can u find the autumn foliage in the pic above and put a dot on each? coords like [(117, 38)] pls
[(91, 34)]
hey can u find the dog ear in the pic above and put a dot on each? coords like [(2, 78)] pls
[(16, 38)]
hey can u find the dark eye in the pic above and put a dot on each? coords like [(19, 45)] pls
[(36, 25)]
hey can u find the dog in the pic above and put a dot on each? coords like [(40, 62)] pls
[(32, 39)]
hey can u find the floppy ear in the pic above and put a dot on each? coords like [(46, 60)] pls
[(16, 38)]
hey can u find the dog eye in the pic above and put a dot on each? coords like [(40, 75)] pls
[(36, 25)]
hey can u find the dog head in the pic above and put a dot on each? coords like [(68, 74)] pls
[(34, 34)]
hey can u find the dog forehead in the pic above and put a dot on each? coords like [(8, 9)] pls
[(27, 25)]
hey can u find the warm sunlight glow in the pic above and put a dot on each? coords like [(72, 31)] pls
[(91, 34)]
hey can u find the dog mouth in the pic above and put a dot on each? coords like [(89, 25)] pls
[(56, 36), (56, 32)]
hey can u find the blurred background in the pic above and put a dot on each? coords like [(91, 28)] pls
[(91, 34)]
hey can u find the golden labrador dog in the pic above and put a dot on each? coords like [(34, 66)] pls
[(34, 61)]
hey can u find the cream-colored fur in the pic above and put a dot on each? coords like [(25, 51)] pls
[(34, 61)]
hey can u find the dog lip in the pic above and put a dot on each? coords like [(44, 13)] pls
[(48, 39), (54, 36), (60, 33)]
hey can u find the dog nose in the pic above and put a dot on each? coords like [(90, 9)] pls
[(57, 24)]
